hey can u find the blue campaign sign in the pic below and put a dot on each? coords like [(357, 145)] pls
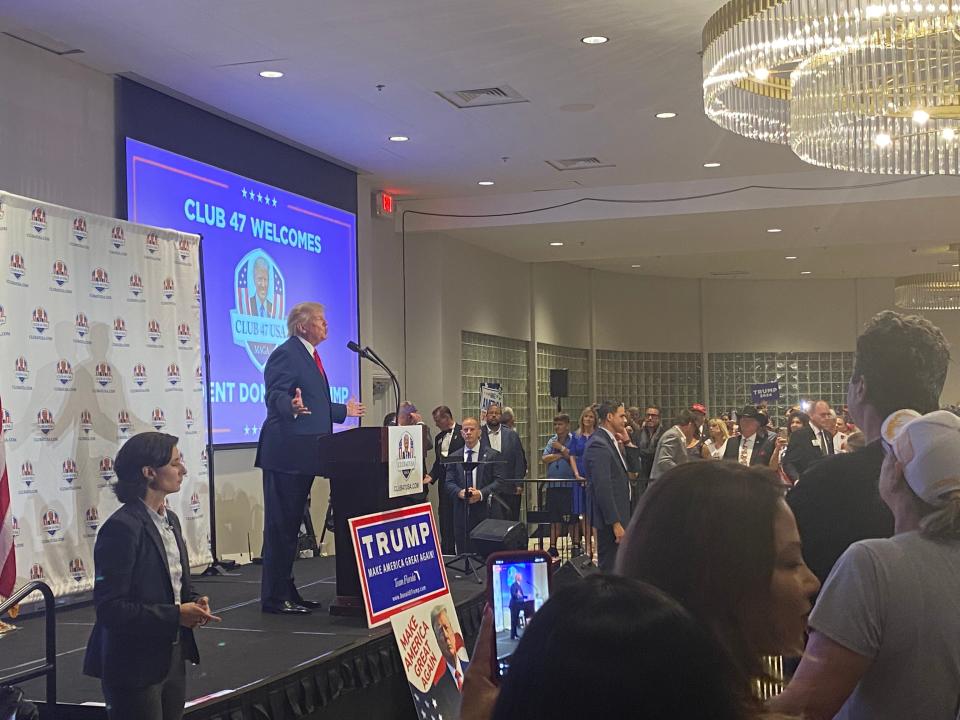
[(765, 392), (398, 559)]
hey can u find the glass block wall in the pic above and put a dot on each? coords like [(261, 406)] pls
[(673, 381), (491, 358), (577, 362), (802, 376)]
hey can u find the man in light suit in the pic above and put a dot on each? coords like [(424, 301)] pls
[(754, 445), (606, 466), (470, 486), (447, 441), (672, 449), (506, 502), (298, 407)]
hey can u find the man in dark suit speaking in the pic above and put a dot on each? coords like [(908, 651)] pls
[(298, 404)]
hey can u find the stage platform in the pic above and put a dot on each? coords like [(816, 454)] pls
[(254, 666)]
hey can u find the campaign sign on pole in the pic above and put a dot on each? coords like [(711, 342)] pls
[(490, 393), (765, 392), (398, 560), (406, 460)]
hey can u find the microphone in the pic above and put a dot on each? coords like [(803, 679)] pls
[(353, 347)]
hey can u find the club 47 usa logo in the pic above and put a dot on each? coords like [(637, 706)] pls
[(257, 319)]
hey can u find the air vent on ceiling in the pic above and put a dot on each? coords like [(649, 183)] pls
[(730, 273), (482, 97), (581, 163), (44, 42)]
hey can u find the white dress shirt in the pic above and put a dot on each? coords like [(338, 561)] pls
[(172, 549), (494, 437), (470, 475), (445, 442), (746, 449)]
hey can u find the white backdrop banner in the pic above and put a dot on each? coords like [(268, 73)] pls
[(99, 340)]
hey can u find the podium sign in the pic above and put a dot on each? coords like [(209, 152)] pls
[(405, 475)]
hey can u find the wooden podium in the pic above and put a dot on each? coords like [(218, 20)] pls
[(355, 461)]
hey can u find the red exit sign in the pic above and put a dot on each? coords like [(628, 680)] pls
[(384, 204)]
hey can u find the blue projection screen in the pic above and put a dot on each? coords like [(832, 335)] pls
[(264, 251)]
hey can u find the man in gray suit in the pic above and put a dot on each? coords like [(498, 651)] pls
[(606, 466), (672, 450)]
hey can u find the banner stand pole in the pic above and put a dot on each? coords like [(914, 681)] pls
[(217, 566)]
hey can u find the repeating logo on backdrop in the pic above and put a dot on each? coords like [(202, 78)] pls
[(36, 571), (258, 316), (196, 293), (60, 274), (123, 423), (203, 460), (195, 503), (119, 329), (80, 229), (136, 285), (140, 374), (103, 374), (26, 473), (169, 288), (188, 418), (50, 522), (116, 237), (77, 571), (21, 369), (38, 220), (18, 267), (7, 425), (152, 244), (40, 320), (173, 374), (183, 333), (405, 455), (153, 331), (45, 421), (92, 518), (86, 422), (64, 372), (183, 249), (158, 419), (3, 319), (15, 526), (82, 325), (106, 469), (69, 470), (100, 279)]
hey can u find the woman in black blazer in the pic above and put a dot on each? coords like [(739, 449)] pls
[(146, 607)]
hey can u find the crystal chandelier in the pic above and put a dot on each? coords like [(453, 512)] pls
[(856, 85), (931, 291)]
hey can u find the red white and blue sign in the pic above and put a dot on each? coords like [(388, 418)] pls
[(398, 559)]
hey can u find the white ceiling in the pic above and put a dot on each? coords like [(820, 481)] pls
[(336, 52)]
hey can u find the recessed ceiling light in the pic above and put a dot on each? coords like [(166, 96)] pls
[(711, 165), (761, 74), (556, 244), (398, 138), (665, 115), (634, 266), (594, 40), (956, 264), (790, 257), (271, 74), (485, 183), (805, 272), (774, 230), (882, 139)]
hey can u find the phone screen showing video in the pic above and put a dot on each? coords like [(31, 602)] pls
[(520, 588)]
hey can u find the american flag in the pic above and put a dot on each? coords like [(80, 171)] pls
[(8, 557)]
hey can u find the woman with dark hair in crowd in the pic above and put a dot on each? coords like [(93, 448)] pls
[(146, 607), (720, 538), (607, 647), (885, 634), (796, 420)]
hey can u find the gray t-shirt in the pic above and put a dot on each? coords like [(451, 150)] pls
[(897, 601)]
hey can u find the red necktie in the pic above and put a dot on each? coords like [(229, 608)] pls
[(459, 679), (316, 359)]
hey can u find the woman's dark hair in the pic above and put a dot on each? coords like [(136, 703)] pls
[(148, 449), (703, 533), (608, 647), (804, 418)]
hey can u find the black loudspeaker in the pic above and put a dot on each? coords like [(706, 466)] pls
[(492, 536), (559, 383), (574, 569)]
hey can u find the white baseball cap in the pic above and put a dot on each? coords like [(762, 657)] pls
[(928, 449)]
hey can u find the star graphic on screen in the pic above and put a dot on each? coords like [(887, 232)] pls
[(267, 198), (244, 191), (259, 198), (255, 430), (274, 202), (246, 429)]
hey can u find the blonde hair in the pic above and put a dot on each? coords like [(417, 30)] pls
[(300, 314), (596, 418), (722, 424), (944, 522)]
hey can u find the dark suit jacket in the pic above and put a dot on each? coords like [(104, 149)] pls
[(456, 442), (512, 451), (489, 480), (252, 306), (646, 443), (282, 436), (802, 453), (609, 481), (762, 448), (137, 618)]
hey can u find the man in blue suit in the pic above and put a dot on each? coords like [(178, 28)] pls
[(298, 405)]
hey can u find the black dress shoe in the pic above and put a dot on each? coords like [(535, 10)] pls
[(311, 604), (286, 608)]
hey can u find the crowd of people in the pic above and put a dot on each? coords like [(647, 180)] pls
[(744, 542)]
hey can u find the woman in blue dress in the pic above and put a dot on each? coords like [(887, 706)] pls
[(582, 498)]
